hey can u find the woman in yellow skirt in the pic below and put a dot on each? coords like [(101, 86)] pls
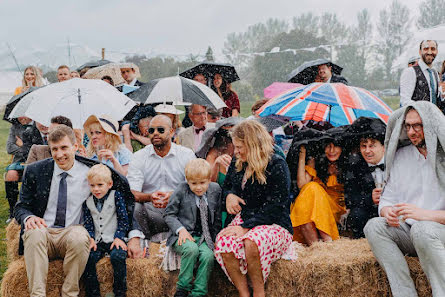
[(320, 202)]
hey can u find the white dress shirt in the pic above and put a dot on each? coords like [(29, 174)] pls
[(148, 172), (78, 191), (408, 82), (378, 174), (412, 180), (133, 81)]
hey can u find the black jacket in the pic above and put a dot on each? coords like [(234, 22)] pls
[(265, 204), (338, 79), (36, 186), (359, 184)]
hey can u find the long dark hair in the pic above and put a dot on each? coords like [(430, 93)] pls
[(225, 89), (322, 163)]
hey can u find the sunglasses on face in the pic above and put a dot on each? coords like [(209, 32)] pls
[(161, 130)]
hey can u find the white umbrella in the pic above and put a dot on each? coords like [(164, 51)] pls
[(412, 47), (179, 91), (75, 99)]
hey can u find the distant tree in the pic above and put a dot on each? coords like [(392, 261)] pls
[(331, 28), (432, 13), (209, 55), (306, 22), (394, 31)]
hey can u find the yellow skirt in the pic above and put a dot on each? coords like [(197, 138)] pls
[(314, 204)]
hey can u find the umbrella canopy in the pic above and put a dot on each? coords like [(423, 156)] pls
[(209, 69), (179, 91), (298, 108), (278, 88), (365, 127), (305, 73), (75, 99), (93, 64), (13, 102), (112, 70), (345, 96), (272, 122)]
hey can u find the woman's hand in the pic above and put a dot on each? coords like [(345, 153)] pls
[(105, 155), (235, 231), (224, 160), (233, 204), (18, 141)]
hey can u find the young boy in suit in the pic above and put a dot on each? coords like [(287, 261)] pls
[(193, 215), (106, 220)]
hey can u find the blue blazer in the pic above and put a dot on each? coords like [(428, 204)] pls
[(36, 186)]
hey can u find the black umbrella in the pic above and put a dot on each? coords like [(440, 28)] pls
[(305, 73), (13, 102), (179, 91), (365, 127), (209, 69), (273, 122), (93, 64)]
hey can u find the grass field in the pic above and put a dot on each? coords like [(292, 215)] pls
[(5, 158)]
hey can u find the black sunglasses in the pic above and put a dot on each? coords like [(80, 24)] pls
[(161, 130)]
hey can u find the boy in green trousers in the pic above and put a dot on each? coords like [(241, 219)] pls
[(193, 215)]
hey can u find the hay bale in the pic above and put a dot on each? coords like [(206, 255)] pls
[(341, 268), (12, 241)]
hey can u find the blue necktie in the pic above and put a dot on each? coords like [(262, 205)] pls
[(432, 86), (61, 202)]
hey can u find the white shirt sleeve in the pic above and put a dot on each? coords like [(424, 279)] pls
[(407, 85), (135, 174)]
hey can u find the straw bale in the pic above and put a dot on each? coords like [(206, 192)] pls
[(12, 240), (341, 268)]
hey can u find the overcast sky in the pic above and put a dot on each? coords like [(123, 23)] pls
[(160, 26)]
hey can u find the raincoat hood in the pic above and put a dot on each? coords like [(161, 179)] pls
[(434, 130)]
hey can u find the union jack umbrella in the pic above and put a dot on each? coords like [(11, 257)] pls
[(341, 104)]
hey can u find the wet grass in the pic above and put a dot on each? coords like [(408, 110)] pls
[(4, 160)]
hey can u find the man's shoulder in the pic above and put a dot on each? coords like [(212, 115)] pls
[(181, 150), (214, 187), (145, 151), (39, 165), (403, 153), (410, 71), (186, 131)]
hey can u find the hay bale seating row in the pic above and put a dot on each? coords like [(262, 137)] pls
[(342, 268)]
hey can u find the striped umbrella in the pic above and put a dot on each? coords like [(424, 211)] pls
[(179, 91), (296, 105)]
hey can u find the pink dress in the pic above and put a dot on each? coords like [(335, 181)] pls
[(272, 241)]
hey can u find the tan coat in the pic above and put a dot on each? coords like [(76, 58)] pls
[(38, 152)]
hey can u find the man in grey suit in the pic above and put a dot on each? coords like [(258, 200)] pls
[(191, 137), (193, 215)]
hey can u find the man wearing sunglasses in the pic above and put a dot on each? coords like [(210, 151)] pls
[(153, 174), (412, 205)]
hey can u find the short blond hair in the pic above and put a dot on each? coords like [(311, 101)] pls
[(197, 169), (100, 171)]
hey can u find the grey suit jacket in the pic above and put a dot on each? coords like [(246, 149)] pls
[(182, 210)]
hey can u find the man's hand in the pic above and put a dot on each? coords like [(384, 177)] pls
[(160, 199), (236, 231), (376, 193), (35, 222), (389, 213), (118, 243), (134, 248), (93, 245), (233, 204), (410, 211), (183, 236)]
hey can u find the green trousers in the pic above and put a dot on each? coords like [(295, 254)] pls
[(190, 253)]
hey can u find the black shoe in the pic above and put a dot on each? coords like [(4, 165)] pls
[(181, 293)]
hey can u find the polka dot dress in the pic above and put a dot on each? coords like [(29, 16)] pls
[(272, 241)]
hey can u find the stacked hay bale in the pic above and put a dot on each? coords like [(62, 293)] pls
[(341, 268)]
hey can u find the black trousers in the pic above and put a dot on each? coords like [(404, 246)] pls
[(357, 219)]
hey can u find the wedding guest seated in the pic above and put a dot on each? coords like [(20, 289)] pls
[(225, 92), (154, 173), (256, 190), (41, 151), (14, 171), (364, 176), (31, 78), (193, 215), (320, 202), (135, 133), (191, 137), (105, 143), (412, 205)]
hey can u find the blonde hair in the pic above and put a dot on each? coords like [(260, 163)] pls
[(112, 141), (259, 146), (99, 171), (197, 169), (38, 81)]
